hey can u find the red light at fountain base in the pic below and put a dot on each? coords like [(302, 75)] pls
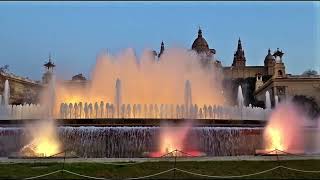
[(174, 141)]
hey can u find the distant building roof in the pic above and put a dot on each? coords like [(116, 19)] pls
[(78, 77)]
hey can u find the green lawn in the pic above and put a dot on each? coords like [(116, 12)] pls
[(216, 168)]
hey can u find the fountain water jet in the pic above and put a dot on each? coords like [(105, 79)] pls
[(187, 98), (276, 100), (117, 101), (6, 93), (268, 100), (240, 97)]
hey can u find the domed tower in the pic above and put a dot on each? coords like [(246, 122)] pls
[(49, 71), (269, 62), (201, 46), (239, 60)]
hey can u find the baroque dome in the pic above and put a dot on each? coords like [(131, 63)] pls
[(200, 44), (269, 56)]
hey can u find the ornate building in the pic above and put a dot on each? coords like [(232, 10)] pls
[(270, 77)]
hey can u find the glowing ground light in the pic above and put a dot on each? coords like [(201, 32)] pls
[(275, 139), (284, 132), (42, 147), (45, 141), (45, 147), (173, 142)]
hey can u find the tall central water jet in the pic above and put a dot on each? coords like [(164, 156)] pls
[(268, 100), (240, 97), (187, 97), (117, 101), (6, 93), (276, 100)]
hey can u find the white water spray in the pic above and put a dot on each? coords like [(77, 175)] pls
[(268, 101)]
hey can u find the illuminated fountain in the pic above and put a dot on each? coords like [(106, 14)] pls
[(119, 109), (174, 88), (284, 132), (44, 138)]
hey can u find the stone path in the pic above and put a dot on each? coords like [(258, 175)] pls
[(5, 160)]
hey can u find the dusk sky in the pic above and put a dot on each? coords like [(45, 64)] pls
[(75, 32)]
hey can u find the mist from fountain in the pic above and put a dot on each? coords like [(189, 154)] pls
[(285, 130), (147, 81), (44, 139)]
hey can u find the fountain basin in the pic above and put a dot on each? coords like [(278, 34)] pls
[(138, 122), (130, 142)]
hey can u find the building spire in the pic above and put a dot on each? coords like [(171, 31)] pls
[(239, 45), (161, 49), (49, 64), (239, 59), (199, 32), (49, 57)]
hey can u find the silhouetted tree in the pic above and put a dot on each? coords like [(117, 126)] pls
[(308, 105), (4, 68), (310, 72)]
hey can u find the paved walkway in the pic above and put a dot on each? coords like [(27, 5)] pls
[(5, 160)]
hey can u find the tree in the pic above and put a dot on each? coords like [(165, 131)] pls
[(4, 68), (308, 105), (309, 72)]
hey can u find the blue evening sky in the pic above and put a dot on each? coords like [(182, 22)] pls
[(75, 32)]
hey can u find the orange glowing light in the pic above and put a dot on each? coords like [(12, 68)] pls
[(45, 141), (275, 139), (168, 146), (46, 147)]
